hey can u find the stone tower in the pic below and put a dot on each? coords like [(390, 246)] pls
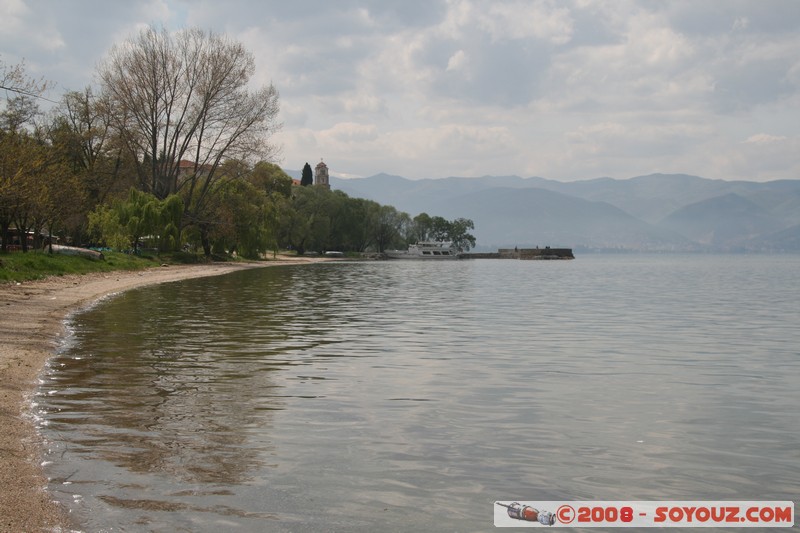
[(321, 175)]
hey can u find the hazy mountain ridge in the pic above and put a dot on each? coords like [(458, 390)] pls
[(726, 221), (657, 212), (536, 217)]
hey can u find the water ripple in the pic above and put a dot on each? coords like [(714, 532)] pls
[(386, 392)]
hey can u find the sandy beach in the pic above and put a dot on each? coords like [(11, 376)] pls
[(31, 324)]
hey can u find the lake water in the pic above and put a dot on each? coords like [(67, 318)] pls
[(410, 396)]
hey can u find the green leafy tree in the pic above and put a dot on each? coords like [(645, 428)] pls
[(459, 235), (345, 220), (271, 178), (353, 227), (310, 227), (170, 223), (106, 225), (440, 229), (386, 225), (243, 220), (425, 227), (420, 228), (124, 224), (291, 226)]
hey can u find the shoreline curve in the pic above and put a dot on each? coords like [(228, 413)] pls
[(32, 318)]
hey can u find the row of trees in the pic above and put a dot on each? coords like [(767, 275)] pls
[(321, 219), (173, 151)]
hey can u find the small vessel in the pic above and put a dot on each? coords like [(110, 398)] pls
[(74, 250), (426, 250)]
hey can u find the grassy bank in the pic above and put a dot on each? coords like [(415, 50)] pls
[(18, 266)]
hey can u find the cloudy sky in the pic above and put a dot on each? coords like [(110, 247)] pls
[(566, 90)]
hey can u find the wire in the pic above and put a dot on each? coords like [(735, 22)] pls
[(26, 93)]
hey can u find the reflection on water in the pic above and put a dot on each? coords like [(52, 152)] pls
[(159, 389), (411, 396)]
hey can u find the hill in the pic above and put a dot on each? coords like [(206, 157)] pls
[(723, 223), (529, 217)]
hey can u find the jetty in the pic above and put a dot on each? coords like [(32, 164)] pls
[(545, 253)]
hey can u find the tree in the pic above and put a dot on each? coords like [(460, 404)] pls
[(310, 225), (440, 229), (424, 228), (14, 78), (83, 129), (420, 228), (126, 223), (19, 154), (458, 234), (270, 178), (243, 220), (185, 97), (291, 227), (308, 177), (61, 197), (80, 136), (22, 154), (386, 224), (352, 225)]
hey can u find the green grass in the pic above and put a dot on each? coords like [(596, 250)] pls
[(18, 266)]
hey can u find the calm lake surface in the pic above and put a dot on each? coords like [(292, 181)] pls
[(410, 396)]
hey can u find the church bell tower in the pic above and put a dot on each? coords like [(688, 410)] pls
[(321, 175)]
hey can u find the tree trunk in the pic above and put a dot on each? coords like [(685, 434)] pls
[(4, 235), (205, 241)]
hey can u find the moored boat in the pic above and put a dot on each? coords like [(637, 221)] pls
[(73, 250), (426, 250)]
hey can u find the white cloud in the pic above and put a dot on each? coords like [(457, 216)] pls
[(764, 157), (764, 138), (20, 22), (350, 132), (364, 104), (14, 14), (546, 20), (457, 61), (741, 23), (564, 89)]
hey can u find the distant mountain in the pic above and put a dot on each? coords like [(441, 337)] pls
[(426, 195), (654, 197), (650, 198), (781, 199), (723, 222), (785, 240), (658, 212), (507, 217)]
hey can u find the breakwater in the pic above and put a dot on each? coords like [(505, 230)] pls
[(523, 253)]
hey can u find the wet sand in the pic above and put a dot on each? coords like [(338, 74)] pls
[(31, 323)]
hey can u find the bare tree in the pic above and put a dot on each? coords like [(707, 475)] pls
[(184, 97), (14, 80), (82, 130)]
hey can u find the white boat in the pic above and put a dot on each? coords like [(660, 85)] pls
[(433, 250), (72, 250)]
